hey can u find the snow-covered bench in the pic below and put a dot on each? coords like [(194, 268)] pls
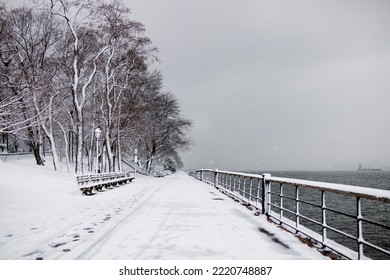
[(97, 182)]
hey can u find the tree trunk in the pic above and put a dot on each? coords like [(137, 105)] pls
[(103, 159), (67, 160), (49, 134), (35, 149), (120, 166), (54, 151), (66, 146), (110, 155), (80, 141)]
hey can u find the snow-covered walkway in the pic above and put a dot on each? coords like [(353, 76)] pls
[(42, 215)]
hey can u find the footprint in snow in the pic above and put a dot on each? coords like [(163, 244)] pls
[(89, 229), (32, 253), (55, 245)]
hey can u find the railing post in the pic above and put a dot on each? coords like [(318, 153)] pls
[(324, 225), (236, 185), (250, 190), (233, 189), (281, 204), (359, 227), (239, 186), (264, 193), (259, 184), (242, 188), (297, 213), (215, 177)]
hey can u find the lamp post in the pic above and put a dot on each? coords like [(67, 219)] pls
[(136, 162), (97, 136)]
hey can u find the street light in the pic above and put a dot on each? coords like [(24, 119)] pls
[(136, 162), (136, 156), (97, 136)]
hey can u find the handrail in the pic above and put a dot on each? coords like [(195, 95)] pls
[(282, 200), (362, 192)]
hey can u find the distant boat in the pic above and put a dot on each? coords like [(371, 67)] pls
[(361, 168)]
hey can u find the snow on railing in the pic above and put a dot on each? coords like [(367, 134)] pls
[(349, 220)]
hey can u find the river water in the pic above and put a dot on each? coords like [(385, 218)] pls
[(372, 210)]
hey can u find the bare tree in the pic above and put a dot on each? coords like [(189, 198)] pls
[(87, 47), (78, 64), (164, 129), (128, 54), (23, 73)]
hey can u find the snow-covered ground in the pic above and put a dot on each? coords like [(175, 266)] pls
[(44, 215)]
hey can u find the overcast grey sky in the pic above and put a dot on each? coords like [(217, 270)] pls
[(275, 85)]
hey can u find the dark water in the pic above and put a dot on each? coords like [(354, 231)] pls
[(372, 210)]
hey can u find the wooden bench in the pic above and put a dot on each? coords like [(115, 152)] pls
[(90, 182)]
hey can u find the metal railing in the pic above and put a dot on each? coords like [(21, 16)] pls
[(349, 220)]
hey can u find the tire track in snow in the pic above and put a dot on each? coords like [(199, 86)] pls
[(64, 241), (94, 227), (107, 235), (154, 236)]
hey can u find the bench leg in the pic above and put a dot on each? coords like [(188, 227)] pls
[(86, 191)]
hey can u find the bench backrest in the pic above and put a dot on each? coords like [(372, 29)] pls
[(100, 177)]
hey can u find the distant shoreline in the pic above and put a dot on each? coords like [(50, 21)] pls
[(361, 168)]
